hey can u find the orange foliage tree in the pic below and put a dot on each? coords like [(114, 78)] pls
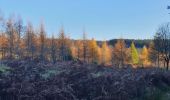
[(120, 53), (105, 53), (144, 56), (93, 51), (3, 45)]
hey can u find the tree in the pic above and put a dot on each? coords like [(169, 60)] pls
[(19, 28), (64, 47), (85, 46), (105, 53), (144, 57), (158, 47), (120, 53), (74, 51), (10, 35), (30, 41), (134, 54), (53, 50), (3, 45), (152, 53), (42, 40), (163, 47), (93, 51), (77, 49)]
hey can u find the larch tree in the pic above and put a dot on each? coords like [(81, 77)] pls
[(19, 29), (30, 41), (134, 54), (78, 47), (144, 56), (3, 45), (74, 50), (120, 53), (152, 53), (10, 31), (105, 53), (64, 46), (85, 46), (53, 49), (42, 40), (93, 51)]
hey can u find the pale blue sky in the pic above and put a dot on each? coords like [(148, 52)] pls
[(102, 19)]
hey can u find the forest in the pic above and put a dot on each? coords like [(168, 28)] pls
[(36, 66), (18, 41)]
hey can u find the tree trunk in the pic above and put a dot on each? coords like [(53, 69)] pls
[(158, 60), (167, 64)]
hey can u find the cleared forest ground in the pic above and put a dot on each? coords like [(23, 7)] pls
[(31, 80)]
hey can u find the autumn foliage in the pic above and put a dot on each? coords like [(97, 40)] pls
[(19, 41)]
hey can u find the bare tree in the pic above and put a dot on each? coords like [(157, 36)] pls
[(162, 41)]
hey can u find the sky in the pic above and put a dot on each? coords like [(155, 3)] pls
[(101, 19)]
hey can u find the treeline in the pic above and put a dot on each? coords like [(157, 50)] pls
[(139, 43), (19, 41)]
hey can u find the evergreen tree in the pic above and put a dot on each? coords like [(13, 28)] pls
[(134, 54)]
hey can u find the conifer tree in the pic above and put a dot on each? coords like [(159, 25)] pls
[(42, 39), (93, 51), (85, 46), (74, 51), (10, 35), (144, 56), (134, 54), (53, 49), (64, 44), (30, 41), (120, 53), (3, 45), (152, 53), (105, 53), (19, 29), (78, 49)]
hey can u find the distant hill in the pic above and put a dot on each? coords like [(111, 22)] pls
[(139, 43)]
